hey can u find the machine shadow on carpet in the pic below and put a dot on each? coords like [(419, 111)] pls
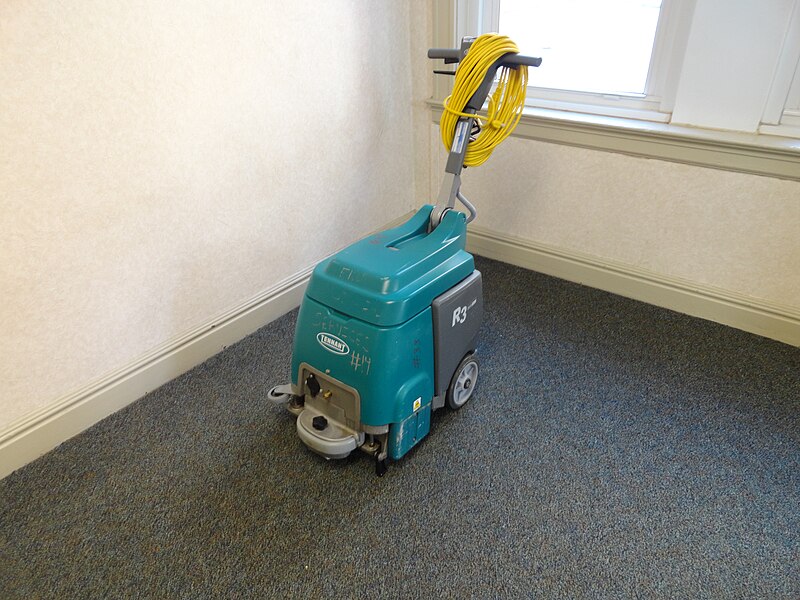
[(611, 449)]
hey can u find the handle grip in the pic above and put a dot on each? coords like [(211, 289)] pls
[(515, 60), (450, 55)]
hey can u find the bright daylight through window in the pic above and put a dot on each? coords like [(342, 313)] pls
[(587, 46)]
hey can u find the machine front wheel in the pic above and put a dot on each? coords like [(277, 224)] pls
[(463, 383), (280, 394)]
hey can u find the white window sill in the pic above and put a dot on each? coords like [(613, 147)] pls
[(790, 130), (760, 154)]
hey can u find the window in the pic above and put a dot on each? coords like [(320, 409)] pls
[(710, 66), (782, 112), (617, 57)]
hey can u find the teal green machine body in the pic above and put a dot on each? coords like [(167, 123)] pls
[(388, 327), (366, 323)]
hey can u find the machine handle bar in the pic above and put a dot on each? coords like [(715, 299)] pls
[(454, 55), (515, 60)]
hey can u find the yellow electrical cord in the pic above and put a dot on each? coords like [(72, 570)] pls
[(505, 104)]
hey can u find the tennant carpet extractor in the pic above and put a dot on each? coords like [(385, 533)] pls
[(387, 329)]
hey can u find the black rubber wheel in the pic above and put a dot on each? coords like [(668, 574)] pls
[(276, 397), (463, 382)]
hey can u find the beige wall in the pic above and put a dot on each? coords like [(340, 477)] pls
[(162, 162), (732, 231)]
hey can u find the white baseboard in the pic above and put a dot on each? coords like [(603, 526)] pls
[(43, 430), (775, 321), (40, 431)]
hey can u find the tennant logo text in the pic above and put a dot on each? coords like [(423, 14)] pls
[(331, 343)]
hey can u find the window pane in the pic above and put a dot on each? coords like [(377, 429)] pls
[(585, 45), (793, 101)]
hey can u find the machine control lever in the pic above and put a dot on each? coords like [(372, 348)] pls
[(313, 385)]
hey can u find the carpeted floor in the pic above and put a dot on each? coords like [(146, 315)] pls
[(613, 449)]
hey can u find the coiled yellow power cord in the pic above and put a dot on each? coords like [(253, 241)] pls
[(505, 104)]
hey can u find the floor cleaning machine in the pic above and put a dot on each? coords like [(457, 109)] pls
[(387, 329)]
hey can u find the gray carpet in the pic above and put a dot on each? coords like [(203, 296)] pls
[(613, 449)]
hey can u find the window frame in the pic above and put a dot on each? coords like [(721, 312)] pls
[(688, 142), (782, 110), (791, 111), (656, 104)]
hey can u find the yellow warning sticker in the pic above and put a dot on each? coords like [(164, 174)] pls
[(417, 403)]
